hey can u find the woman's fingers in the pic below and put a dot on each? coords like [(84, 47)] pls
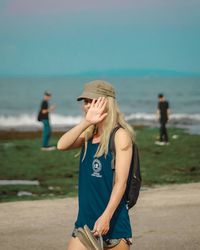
[(96, 112), (100, 102), (97, 102), (93, 102), (103, 116), (100, 232), (103, 105)]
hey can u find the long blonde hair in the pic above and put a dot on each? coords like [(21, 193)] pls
[(113, 119)]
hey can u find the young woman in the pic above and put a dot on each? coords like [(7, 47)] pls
[(101, 204)]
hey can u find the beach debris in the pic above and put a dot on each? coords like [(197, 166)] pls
[(192, 169), (157, 152), (188, 170), (8, 144), (54, 188), (162, 143), (19, 182), (68, 175), (174, 137), (24, 193)]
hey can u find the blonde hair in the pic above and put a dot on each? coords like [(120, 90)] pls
[(113, 119)]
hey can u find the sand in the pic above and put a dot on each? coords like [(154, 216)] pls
[(164, 218)]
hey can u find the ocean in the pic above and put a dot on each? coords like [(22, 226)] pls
[(20, 99)]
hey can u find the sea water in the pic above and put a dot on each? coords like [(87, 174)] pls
[(20, 99)]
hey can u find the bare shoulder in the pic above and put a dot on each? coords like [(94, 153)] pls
[(122, 139)]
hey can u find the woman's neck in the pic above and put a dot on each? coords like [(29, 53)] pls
[(98, 132), (99, 129)]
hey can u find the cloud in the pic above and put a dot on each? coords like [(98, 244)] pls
[(139, 11), (38, 6), (4, 3)]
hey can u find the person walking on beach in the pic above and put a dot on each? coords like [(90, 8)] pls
[(162, 114), (43, 116), (102, 206)]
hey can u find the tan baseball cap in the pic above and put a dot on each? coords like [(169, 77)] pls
[(96, 89)]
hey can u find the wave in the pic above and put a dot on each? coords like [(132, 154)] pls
[(174, 118), (25, 120), (57, 120)]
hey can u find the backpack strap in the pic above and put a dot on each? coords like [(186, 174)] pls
[(136, 162), (134, 178), (135, 157), (112, 145)]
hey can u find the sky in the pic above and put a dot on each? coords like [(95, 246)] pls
[(61, 37)]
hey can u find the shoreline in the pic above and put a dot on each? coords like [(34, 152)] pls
[(34, 131), (30, 133)]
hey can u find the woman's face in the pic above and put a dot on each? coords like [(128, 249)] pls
[(86, 104)]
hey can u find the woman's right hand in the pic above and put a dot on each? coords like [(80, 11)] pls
[(96, 112)]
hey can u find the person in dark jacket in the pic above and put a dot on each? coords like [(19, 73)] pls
[(43, 116), (163, 112)]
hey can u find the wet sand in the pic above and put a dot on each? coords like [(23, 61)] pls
[(31, 133), (164, 218), (12, 134)]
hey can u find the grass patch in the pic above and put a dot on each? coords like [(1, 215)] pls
[(57, 172)]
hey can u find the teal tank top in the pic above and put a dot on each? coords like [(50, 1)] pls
[(95, 187)]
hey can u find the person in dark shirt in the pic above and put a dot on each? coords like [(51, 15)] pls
[(43, 116), (163, 112)]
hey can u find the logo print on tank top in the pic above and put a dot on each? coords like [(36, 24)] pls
[(96, 166)]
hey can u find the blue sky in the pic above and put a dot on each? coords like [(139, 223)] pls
[(65, 37)]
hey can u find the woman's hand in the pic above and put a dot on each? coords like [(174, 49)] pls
[(102, 225), (96, 112)]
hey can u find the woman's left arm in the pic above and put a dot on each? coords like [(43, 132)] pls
[(123, 145)]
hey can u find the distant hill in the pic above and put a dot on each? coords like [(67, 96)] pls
[(137, 72), (116, 73)]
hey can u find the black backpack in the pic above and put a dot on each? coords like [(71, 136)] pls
[(39, 116), (134, 178)]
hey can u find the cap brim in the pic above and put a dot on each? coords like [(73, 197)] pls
[(87, 95)]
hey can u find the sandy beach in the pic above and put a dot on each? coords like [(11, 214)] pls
[(165, 218)]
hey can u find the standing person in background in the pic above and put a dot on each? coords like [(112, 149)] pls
[(43, 116), (162, 114)]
